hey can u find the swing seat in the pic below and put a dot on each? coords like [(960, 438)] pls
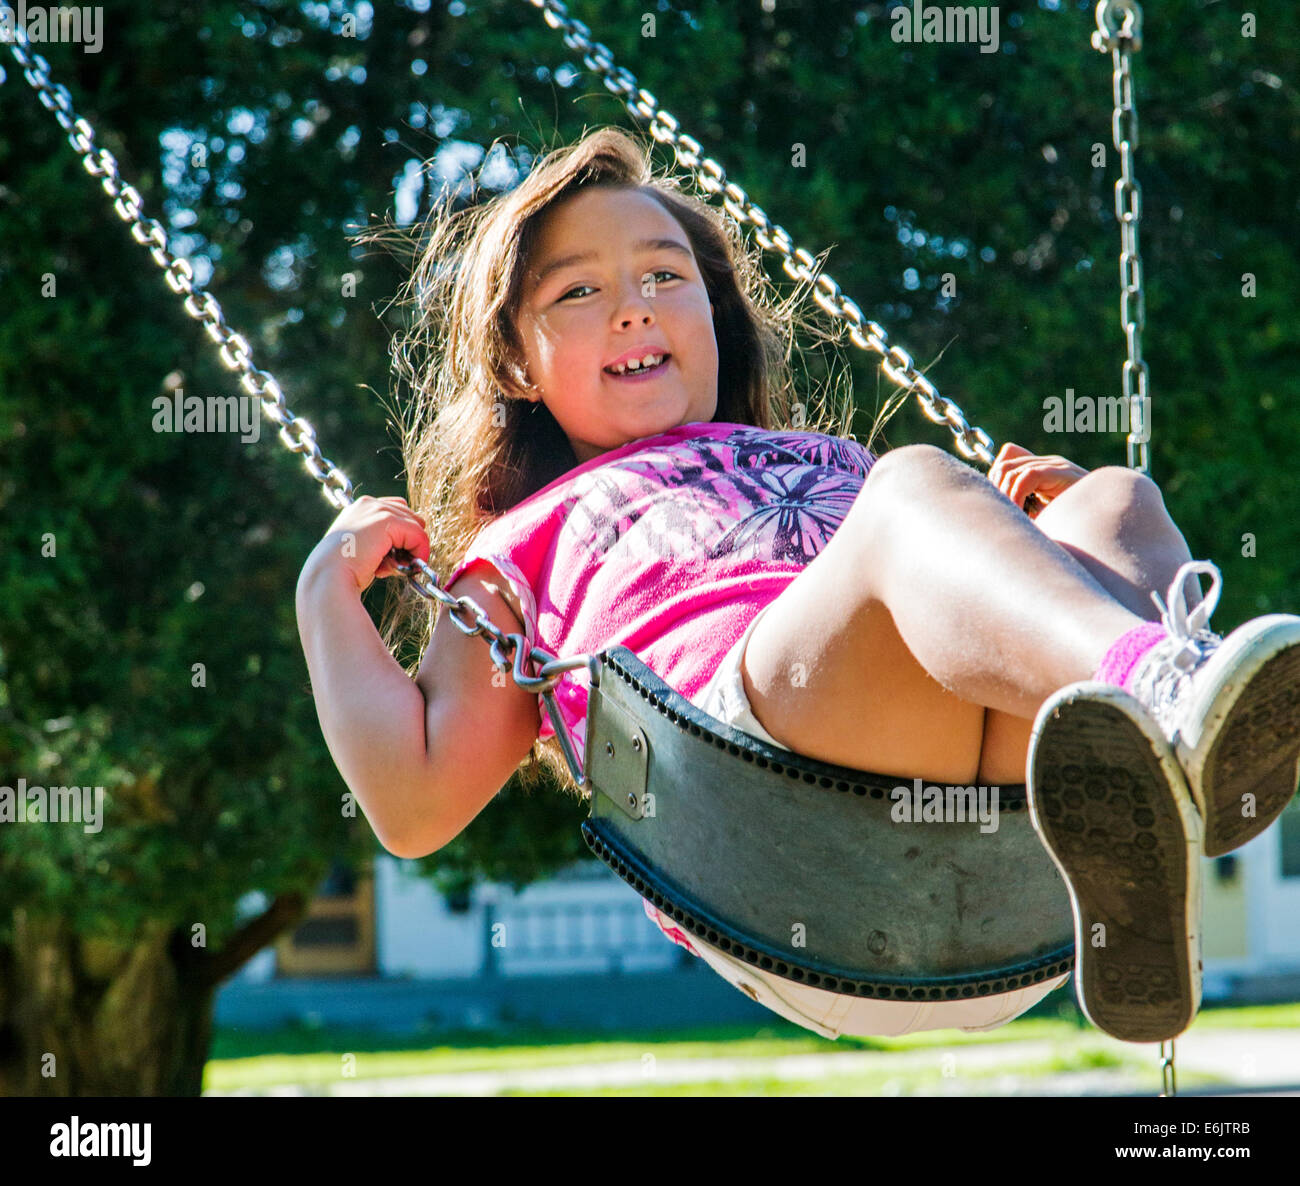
[(797, 867)]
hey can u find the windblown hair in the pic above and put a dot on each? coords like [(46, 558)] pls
[(473, 445)]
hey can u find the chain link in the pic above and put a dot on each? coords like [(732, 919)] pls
[(1168, 1086), (1119, 32)]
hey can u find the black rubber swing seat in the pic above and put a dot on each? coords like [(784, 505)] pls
[(796, 867)]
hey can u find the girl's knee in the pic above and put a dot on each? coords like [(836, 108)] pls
[(919, 464), (1121, 488), (905, 479), (1113, 512)]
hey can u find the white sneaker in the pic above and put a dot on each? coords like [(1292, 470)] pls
[(1109, 801), (1230, 708)]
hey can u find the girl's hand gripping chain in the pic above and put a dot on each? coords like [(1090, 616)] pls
[(370, 537), (1030, 481)]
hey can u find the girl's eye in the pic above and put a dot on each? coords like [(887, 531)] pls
[(656, 272)]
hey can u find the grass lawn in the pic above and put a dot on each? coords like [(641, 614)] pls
[(255, 1060)]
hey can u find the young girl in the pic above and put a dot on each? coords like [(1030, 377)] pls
[(601, 458)]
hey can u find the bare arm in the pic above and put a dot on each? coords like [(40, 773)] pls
[(423, 758), (372, 715), (481, 724)]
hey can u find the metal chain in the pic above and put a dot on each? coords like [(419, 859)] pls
[(1168, 1087), (199, 304), (1119, 31), (237, 354), (897, 363)]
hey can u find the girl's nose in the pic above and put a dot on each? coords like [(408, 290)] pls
[(634, 302)]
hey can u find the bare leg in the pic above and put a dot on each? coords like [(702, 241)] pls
[(936, 599), (992, 608), (1114, 523)]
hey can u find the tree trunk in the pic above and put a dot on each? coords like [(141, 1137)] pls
[(85, 1016)]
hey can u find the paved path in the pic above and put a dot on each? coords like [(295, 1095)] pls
[(1248, 1059)]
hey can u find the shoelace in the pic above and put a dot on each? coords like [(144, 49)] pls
[(1165, 670), (1189, 630)]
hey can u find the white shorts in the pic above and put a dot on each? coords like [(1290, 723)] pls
[(829, 1013)]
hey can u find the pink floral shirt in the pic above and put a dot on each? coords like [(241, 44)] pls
[(670, 546)]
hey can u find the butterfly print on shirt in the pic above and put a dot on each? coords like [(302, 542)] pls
[(774, 502)]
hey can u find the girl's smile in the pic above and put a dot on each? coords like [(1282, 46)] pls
[(643, 372)]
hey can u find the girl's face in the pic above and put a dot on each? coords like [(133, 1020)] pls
[(613, 277)]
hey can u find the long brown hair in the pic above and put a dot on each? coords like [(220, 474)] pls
[(473, 445)]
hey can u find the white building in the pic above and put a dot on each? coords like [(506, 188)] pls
[(394, 926)]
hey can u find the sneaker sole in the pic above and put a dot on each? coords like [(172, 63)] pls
[(1111, 806), (1253, 727)]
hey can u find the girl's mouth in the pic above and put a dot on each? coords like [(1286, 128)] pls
[(642, 374)]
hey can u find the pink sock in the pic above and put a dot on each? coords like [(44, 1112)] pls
[(1125, 652)]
